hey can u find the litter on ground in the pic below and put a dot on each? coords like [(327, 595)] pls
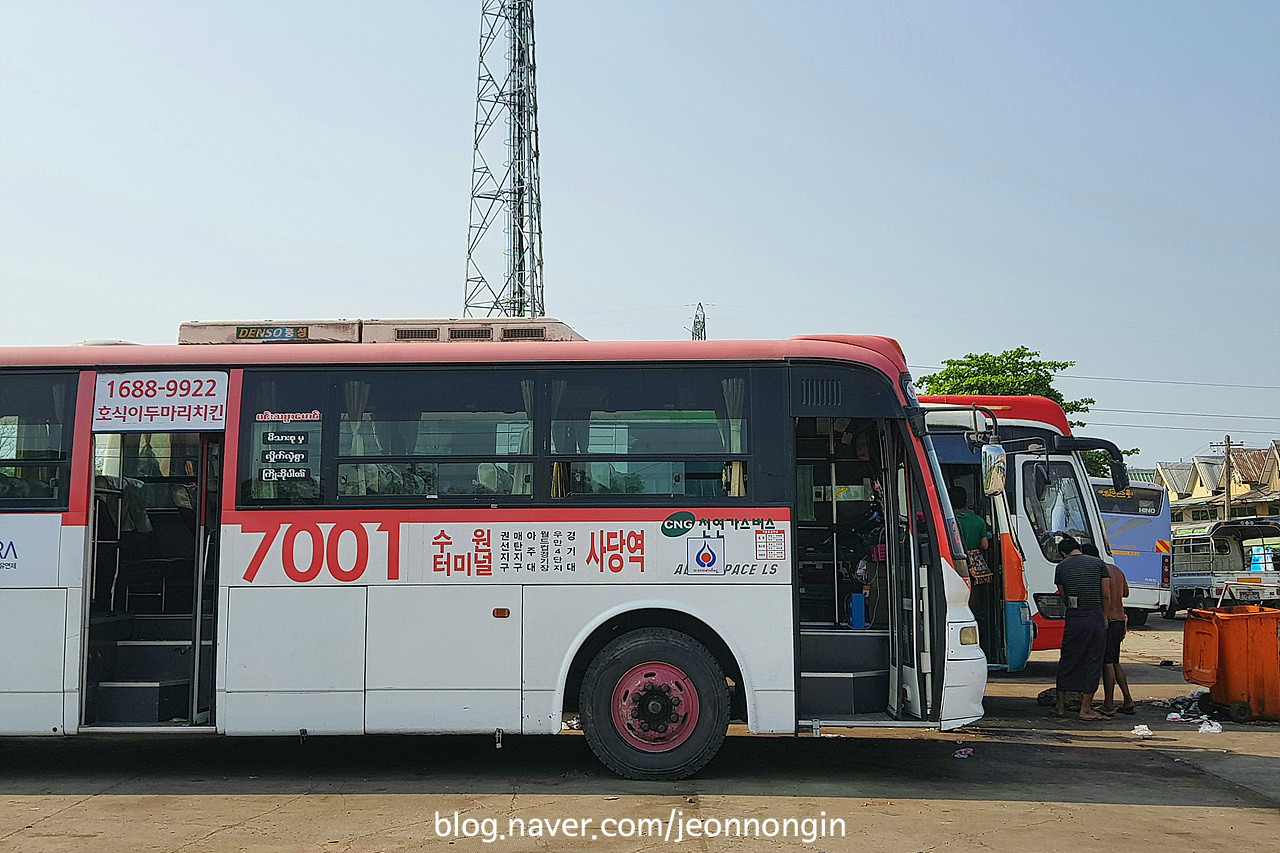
[(1183, 708)]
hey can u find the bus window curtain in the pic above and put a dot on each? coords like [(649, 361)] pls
[(735, 473), (266, 403), (564, 441), (400, 438), (146, 464), (356, 395), (522, 472), (569, 435), (559, 479), (8, 436), (54, 438)]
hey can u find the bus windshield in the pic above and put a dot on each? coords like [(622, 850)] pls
[(1061, 509), (1135, 500)]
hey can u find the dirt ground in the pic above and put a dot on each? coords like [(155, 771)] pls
[(1033, 782)]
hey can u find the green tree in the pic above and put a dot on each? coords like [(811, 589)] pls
[(1015, 372), (1098, 463)]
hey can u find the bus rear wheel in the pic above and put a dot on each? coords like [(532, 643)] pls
[(654, 705), (1137, 618)]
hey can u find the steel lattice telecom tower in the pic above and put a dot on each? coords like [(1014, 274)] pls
[(506, 91)]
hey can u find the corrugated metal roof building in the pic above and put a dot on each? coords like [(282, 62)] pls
[(1174, 477)]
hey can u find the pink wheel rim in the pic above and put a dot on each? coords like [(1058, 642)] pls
[(655, 707)]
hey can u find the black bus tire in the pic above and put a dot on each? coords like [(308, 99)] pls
[(1137, 618), (703, 676)]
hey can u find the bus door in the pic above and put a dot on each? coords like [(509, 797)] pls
[(859, 598), (152, 581), (910, 670), (204, 613), (998, 597), (987, 599)]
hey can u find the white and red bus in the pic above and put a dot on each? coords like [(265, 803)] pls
[(443, 537), (999, 599), (1048, 491)]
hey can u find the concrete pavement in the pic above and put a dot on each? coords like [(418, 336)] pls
[(1034, 782)]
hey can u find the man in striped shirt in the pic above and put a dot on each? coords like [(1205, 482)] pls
[(1085, 586)]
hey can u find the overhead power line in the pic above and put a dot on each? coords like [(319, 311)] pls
[(1182, 428), (1219, 415), (1169, 382)]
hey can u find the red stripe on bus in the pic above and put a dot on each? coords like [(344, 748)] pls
[(231, 442), (877, 352), (77, 514), (935, 503)]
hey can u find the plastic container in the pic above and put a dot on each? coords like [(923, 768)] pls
[(857, 610), (1235, 652)]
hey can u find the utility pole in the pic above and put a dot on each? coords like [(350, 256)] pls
[(1226, 473), (699, 324), (506, 94)]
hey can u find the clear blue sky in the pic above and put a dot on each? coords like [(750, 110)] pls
[(1099, 181)]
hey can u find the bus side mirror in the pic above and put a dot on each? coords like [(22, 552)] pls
[(993, 469), (1040, 481), (1119, 475)]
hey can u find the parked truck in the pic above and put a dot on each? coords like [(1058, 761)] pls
[(1244, 552)]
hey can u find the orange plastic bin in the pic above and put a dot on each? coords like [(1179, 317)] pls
[(1235, 652)]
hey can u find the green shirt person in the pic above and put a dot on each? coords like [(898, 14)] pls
[(974, 532)]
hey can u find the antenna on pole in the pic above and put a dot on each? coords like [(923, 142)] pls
[(506, 92), (699, 324)]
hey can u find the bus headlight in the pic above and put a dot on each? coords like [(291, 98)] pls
[(969, 635)]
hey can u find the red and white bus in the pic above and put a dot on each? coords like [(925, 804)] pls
[(999, 600), (435, 536), (1049, 492)]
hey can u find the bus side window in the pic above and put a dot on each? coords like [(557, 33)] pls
[(283, 418), (37, 412), (652, 431), (434, 434)]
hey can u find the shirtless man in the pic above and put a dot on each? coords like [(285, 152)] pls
[(1117, 624)]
